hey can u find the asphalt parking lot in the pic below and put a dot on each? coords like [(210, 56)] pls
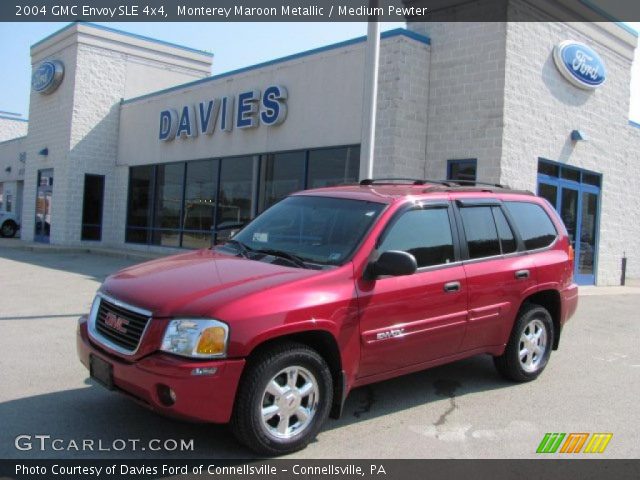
[(462, 410)]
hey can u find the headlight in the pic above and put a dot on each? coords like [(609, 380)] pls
[(196, 338)]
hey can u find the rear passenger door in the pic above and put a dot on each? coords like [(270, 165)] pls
[(498, 275), (413, 319)]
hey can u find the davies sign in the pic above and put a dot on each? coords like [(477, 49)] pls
[(579, 64), (245, 110)]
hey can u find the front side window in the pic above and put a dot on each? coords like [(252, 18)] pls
[(533, 223), (425, 234), (319, 230)]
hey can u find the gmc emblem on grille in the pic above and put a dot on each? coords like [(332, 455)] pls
[(115, 322)]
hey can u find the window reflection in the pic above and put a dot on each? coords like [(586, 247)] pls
[(280, 175), (175, 204), (168, 203), (333, 166), (199, 203)]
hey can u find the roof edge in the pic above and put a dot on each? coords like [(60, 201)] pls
[(121, 32)]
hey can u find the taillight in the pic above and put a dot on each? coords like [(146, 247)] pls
[(572, 254)]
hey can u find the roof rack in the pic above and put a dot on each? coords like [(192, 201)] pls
[(400, 180), (424, 181), (476, 182)]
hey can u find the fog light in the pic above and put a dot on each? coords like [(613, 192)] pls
[(166, 395), (204, 371)]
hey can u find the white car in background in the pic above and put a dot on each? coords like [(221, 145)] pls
[(9, 224)]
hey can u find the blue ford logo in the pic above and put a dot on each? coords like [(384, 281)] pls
[(579, 64), (47, 77)]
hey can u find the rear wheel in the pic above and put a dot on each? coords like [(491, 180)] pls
[(529, 347), (9, 229), (283, 399)]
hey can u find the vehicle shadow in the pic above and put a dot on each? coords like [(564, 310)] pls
[(92, 265), (422, 388), (92, 413)]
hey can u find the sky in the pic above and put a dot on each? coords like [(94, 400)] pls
[(260, 42)]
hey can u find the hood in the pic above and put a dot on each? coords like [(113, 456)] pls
[(196, 283)]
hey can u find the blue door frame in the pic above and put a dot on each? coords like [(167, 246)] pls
[(580, 188)]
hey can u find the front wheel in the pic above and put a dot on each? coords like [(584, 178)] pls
[(283, 399), (529, 346)]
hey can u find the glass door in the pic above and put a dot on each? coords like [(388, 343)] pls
[(575, 194), (44, 195), (586, 252)]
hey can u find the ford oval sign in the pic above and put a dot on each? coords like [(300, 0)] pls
[(47, 77), (579, 64)]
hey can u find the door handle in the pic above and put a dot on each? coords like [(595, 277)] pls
[(452, 287), (522, 274)]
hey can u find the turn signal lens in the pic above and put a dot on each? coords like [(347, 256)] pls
[(212, 341), (572, 253)]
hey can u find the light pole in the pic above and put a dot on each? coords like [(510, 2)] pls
[(370, 94)]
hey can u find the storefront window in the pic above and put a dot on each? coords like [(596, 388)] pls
[(139, 208), (333, 166), (168, 203), (238, 177), (199, 201), (280, 175), (465, 169), (175, 204), (92, 207)]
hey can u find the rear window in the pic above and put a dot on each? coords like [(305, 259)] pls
[(481, 233), (533, 223)]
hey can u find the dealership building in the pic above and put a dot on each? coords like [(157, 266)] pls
[(131, 142)]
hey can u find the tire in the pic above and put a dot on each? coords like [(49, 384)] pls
[(265, 389), (9, 229), (533, 322)]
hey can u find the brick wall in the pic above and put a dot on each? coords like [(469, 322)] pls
[(541, 109), (12, 128), (403, 95), (466, 85)]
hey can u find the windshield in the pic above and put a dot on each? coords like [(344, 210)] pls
[(319, 230)]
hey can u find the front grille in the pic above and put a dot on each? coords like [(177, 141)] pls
[(119, 325)]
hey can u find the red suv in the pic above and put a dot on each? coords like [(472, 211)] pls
[(328, 290)]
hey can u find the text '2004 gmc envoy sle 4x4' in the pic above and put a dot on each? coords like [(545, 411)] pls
[(328, 290)]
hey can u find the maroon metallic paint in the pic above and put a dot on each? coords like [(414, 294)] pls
[(261, 302)]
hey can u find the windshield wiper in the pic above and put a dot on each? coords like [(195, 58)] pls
[(299, 261), (243, 249)]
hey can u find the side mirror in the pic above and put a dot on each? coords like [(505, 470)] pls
[(393, 262)]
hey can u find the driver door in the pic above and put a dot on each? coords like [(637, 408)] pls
[(418, 318)]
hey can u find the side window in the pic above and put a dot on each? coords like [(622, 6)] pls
[(507, 240), (533, 223), (424, 233), (481, 233)]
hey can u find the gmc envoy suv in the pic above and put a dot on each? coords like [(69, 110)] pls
[(328, 290)]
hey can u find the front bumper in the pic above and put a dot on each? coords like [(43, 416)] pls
[(206, 398)]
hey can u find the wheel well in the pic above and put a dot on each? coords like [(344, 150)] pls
[(549, 299), (325, 344)]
